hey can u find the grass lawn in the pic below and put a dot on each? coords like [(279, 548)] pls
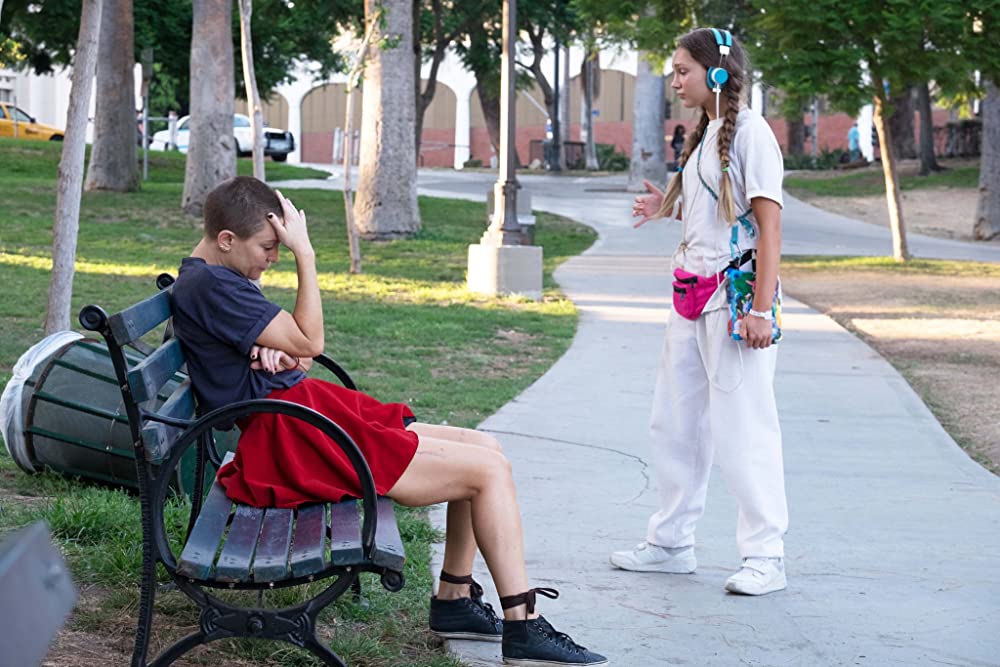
[(407, 330), (870, 181)]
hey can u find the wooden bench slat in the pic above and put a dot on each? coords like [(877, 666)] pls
[(150, 374), (140, 319), (198, 554), (389, 550), (237, 553), (271, 560), (345, 534), (309, 541), (159, 438)]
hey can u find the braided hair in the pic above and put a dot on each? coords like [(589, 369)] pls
[(703, 48)]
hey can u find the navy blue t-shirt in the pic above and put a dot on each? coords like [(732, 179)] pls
[(218, 315)]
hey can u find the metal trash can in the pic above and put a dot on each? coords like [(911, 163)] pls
[(62, 410)]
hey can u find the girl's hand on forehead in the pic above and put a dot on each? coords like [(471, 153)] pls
[(291, 228)]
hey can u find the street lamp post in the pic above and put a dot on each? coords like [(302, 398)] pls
[(503, 262), (505, 228)]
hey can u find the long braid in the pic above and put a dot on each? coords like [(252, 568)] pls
[(674, 189), (725, 139)]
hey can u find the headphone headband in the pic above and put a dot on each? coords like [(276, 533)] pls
[(724, 40)]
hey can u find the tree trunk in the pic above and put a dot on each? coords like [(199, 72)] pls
[(70, 180), (489, 100), (211, 157), (987, 224), (386, 206), (900, 251), (928, 162), (250, 84), (590, 74), (113, 163), (548, 94), (353, 79), (649, 161), (796, 139), (904, 145)]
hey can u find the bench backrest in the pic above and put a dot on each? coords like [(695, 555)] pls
[(142, 382)]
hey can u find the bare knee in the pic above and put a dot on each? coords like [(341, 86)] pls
[(493, 468), (491, 442)]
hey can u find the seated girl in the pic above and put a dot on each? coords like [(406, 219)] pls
[(241, 346)]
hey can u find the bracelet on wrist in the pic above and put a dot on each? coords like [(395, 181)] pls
[(762, 314)]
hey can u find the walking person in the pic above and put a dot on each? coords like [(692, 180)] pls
[(677, 142), (714, 397)]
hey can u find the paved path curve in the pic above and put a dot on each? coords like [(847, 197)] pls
[(894, 545)]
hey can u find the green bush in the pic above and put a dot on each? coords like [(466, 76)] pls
[(473, 163), (827, 159), (610, 159)]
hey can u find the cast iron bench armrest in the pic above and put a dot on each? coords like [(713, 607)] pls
[(227, 414)]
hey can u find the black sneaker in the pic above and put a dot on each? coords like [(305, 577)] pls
[(535, 643), (465, 618)]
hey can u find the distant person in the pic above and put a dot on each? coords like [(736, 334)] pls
[(876, 147), (714, 396), (677, 142), (854, 142)]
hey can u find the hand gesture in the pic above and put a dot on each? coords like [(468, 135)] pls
[(756, 331), (271, 360), (291, 227), (647, 206)]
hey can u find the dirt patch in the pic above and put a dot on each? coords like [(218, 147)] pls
[(942, 212), (941, 332)]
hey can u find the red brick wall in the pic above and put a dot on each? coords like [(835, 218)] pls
[(437, 149)]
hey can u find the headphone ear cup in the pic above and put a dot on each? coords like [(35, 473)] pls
[(717, 77)]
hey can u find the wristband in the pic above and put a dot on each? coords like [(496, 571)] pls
[(767, 315)]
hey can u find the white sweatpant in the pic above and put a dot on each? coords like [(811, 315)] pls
[(713, 394)]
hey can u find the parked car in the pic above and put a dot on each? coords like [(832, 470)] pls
[(15, 122), (277, 143)]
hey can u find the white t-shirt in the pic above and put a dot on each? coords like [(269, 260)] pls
[(757, 170)]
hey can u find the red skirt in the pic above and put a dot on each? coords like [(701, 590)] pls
[(282, 461)]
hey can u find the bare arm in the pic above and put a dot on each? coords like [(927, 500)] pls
[(299, 333), (768, 215)]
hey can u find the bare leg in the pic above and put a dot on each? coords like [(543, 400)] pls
[(460, 542), (444, 471)]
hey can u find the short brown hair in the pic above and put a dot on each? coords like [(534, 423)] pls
[(240, 205)]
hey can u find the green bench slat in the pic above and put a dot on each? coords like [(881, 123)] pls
[(158, 437), (389, 552), (271, 560), (345, 534), (309, 541), (237, 552), (150, 374), (198, 554), (140, 319)]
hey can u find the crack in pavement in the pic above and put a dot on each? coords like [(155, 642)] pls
[(639, 459)]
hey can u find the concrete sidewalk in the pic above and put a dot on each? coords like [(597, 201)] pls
[(894, 545), (893, 555)]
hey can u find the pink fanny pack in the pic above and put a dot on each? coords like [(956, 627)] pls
[(692, 292)]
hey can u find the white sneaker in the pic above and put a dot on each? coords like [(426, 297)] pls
[(758, 576), (648, 557)]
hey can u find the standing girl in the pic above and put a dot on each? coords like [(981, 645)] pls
[(714, 395)]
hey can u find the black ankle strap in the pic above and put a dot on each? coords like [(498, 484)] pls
[(475, 590), (528, 598)]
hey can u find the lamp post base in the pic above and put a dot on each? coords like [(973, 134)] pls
[(505, 269)]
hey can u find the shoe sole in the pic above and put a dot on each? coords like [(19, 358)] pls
[(528, 662), (469, 636), (778, 586), (663, 569)]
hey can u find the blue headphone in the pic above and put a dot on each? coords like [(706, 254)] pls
[(718, 76)]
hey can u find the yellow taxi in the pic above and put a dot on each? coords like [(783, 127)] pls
[(16, 123)]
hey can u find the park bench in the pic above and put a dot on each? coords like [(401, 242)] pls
[(228, 545)]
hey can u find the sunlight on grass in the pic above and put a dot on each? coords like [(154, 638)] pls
[(916, 266)]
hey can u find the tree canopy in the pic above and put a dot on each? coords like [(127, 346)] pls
[(42, 36)]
